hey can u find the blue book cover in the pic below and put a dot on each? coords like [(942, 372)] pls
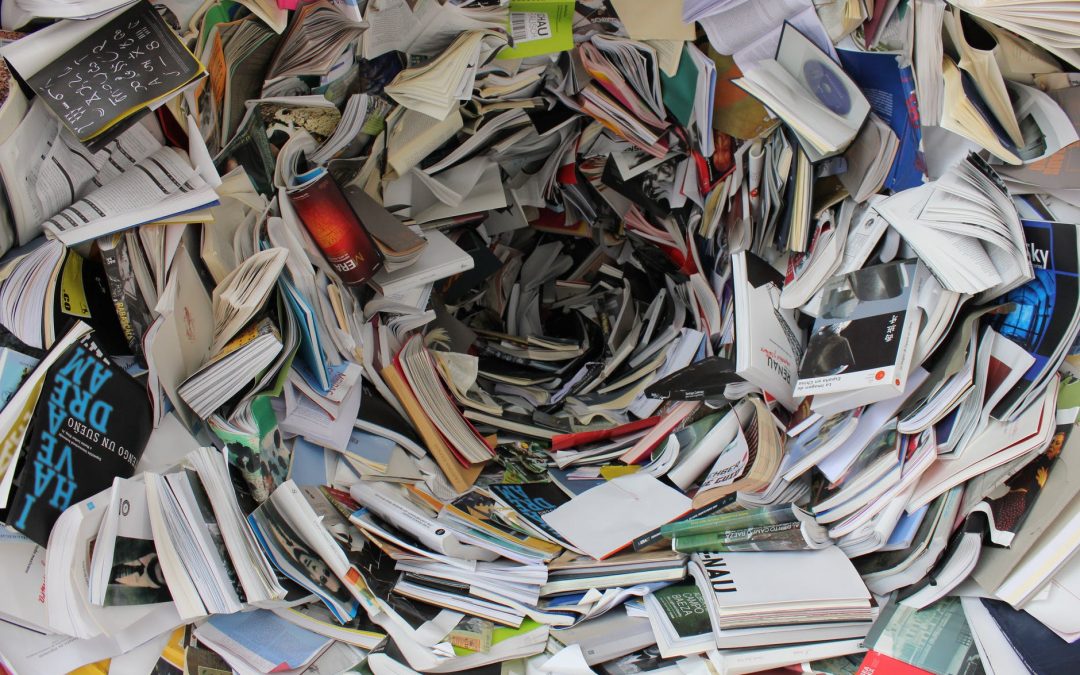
[(890, 89), (272, 638), (1044, 308), (1042, 651), (14, 368), (311, 351)]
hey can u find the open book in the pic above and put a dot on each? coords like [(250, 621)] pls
[(810, 92)]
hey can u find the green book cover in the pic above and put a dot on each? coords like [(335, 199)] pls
[(540, 27), (685, 609), (680, 89)]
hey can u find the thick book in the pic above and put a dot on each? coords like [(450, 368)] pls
[(337, 231), (91, 425), (756, 589), (769, 342), (460, 477), (865, 335), (441, 258)]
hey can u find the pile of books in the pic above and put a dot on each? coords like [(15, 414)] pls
[(540, 336)]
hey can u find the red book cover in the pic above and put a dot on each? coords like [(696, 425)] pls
[(876, 663), (573, 440), (336, 230)]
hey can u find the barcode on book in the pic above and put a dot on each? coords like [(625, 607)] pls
[(529, 26)]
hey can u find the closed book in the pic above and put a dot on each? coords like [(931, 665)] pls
[(441, 258), (756, 589), (131, 308), (769, 343), (1041, 649), (91, 425), (337, 231), (865, 337)]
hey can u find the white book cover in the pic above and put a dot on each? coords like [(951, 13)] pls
[(606, 518), (774, 341), (865, 336), (769, 581)]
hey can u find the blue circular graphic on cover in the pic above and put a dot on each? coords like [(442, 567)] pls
[(827, 86)]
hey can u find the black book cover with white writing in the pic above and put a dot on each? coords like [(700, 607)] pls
[(91, 423), (119, 71)]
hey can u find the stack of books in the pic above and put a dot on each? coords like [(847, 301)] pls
[(553, 336)]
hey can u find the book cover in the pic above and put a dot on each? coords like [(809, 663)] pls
[(14, 368), (131, 308), (81, 293), (141, 59), (864, 336), (876, 663), (762, 581), (936, 639), (890, 89), (337, 231), (1045, 308), (478, 511), (90, 425), (135, 576), (1009, 511), (292, 556), (1042, 650), (685, 609), (531, 501), (770, 343)]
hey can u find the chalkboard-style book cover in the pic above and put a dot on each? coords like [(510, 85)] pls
[(122, 69), (91, 424)]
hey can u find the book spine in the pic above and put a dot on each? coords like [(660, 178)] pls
[(651, 539), (111, 263), (336, 230)]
